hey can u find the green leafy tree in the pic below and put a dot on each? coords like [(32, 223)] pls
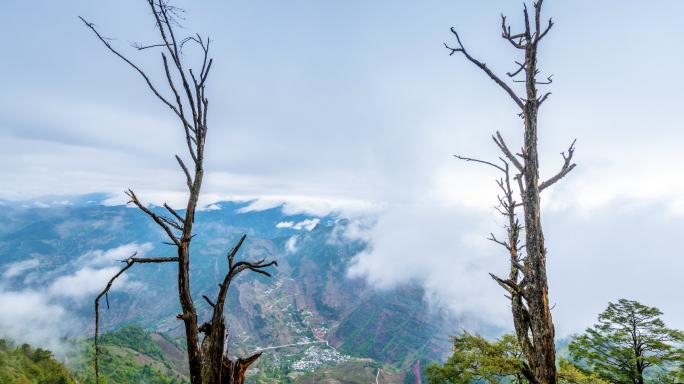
[(571, 373), (23, 365), (134, 337), (629, 339), (476, 359), (41, 354)]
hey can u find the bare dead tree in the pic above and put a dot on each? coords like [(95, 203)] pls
[(209, 363), (529, 295)]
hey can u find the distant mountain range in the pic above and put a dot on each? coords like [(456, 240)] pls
[(46, 240), (48, 201)]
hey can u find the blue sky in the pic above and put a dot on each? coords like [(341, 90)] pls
[(357, 106)]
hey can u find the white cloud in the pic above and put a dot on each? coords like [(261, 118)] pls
[(309, 224), (40, 205), (65, 202), (29, 316), (443, 248), (293, 205), (113, 256), (85, 282), (290, 244), (16, 268), (210, 207), (38, 316), (623, 250)]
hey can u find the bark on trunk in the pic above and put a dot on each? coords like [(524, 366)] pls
[(541, 323), (529, 296), (209, 363)]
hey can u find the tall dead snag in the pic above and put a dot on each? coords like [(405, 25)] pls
[(209, 363), (529, 295)]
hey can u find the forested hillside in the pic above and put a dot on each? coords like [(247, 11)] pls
[(25, 365)]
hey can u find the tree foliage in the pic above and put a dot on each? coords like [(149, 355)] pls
[(569, 372), (115, 368), (133, 337), (24, 365), (629, 339), (474, 359)]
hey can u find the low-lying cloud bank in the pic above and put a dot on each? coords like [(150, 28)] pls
[(37, 312), (443, 248), (624, 249)]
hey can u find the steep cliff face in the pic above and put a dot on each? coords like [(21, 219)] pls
[(310, 298), (394, 327)]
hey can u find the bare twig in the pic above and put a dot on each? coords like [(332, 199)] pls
[(502, 145), (149, 83), (567, 167), (543, 98), (549, 81), (493, 238), (479, 161), (507, 35), (484, 68), (522, 66)]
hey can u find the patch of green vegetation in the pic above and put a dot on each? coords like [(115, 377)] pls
[(135, 338), (390, 327), (114, 368), (26, 365), (324, 309)]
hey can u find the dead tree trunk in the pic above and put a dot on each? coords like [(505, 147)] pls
[(209, 363), (529, 296)]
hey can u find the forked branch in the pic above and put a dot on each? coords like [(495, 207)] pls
[(509, 155), (537, 17), (235, 269), (567, 167), (543, 98), (506, 34), (161, 220), (493, 238)]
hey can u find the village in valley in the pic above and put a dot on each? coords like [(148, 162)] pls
[(315, 357)]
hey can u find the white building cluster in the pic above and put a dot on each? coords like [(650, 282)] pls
[(315, 356)]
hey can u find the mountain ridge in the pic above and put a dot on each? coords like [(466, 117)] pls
[(309, 298)]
